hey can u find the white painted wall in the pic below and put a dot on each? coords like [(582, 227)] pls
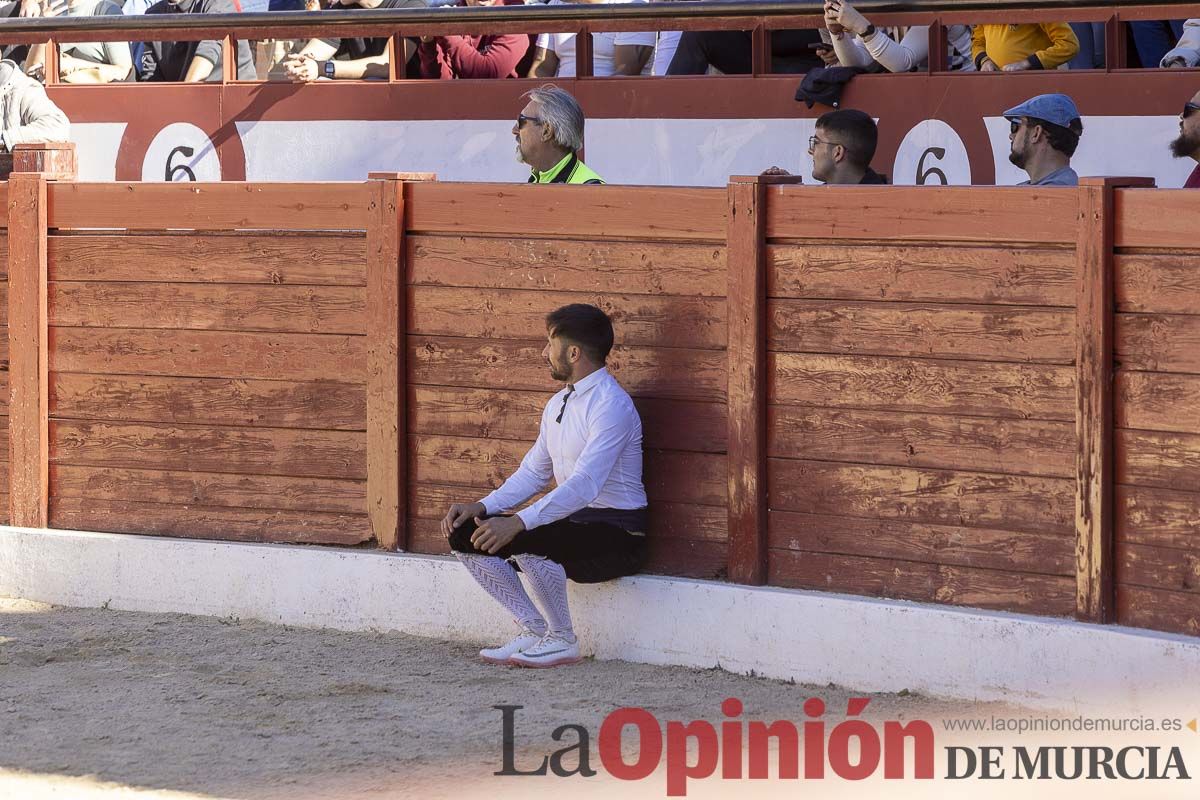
[(811, 637)]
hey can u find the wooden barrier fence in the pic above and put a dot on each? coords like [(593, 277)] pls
[(898, 392)]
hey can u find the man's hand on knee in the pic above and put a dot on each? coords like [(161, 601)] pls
[(495, 532), (460, 513)]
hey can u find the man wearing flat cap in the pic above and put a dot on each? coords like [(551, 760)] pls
[(1045, 132)]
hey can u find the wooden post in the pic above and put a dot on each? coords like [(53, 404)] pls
[(55, 160), (1115, 55), (29, 449), (937, 61), (583, 53), (387, 416), (229, 60), (760, 50), (747, 375), (1094, 469), (51, 65)]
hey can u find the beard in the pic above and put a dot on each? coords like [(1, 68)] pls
[(1017, 157), (560, 375), (1185, 145), (520, 155)]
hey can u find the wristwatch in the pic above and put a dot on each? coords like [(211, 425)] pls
[(869, 32), (327, 69)]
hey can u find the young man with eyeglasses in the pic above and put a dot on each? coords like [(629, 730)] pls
[(1187, 144), (1043, 135), (549, 131), (842, 149), (590, 527)]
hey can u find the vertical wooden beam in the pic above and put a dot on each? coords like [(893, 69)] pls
[(747, 375), (229, 60), (583, 54), (51, 65), (760, 50), (1095, 479), (1116, 54), (28, 453), (385, 364), (938, 60)]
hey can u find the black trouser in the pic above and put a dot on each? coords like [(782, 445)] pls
[(590, 552), (729, 51)]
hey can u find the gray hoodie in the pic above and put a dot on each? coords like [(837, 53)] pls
[(26, 113)]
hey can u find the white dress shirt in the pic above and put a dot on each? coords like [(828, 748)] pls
[(603, 42), (594, 456)]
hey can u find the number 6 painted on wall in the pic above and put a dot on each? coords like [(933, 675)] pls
[(188, 152), (922, 174)]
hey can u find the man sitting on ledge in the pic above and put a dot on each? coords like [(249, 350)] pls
[(591, 527)]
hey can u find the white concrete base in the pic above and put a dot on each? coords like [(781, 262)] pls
[(810, 637)]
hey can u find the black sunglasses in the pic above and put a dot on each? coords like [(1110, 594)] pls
[(1189, 109), (522, 119)]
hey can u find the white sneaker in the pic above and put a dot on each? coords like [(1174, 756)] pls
[(551, 651), (500, 655)]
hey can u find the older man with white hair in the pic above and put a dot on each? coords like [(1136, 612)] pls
[(549, 132)]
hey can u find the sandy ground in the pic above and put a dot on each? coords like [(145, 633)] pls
[(101, 703)]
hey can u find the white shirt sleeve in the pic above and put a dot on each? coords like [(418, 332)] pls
[(609, 433), (1188, 47), (531, 477), (545, 41), (641, 39), (850, 50), (911, 52)]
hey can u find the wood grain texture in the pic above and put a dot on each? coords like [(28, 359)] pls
[(1018, 391), (653, 268), (926, 331), (1159, 568), (505, 414), (1017, 447), (320, 404), (4, 236), (27, 351), (1161, 283), (661, 321), (210, 206), (486, 463), (674, 373), (846, 271), (1156, 218), (1158, 342), (210, 489), (953, 545), (943, 497), (642, 212), (386, 395), (747, 394), (201, 522), (295, 309), (1155, 458), (276, 259), (273, 451), (1158, 517), (210, 354), (945, 214), (1157, 609), (932, 583), (1094, 467), (1158, 401)]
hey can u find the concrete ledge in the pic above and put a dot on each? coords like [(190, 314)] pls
[(810, 637)]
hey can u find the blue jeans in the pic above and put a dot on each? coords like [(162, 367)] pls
[(1152, 40), (1091, 45)]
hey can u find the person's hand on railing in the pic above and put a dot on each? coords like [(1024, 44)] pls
[(1174, 63), (987, 65), (775, 171), (300, 68), (1018, 66)]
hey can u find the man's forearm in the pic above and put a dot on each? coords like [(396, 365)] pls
[(199, 70)]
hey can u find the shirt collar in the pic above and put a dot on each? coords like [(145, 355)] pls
[(549, 175), (583, 385)]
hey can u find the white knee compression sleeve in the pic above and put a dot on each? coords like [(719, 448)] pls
[(549, 582), (499, 579)]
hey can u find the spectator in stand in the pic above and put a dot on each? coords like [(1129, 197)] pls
[(857, 42), (1012, 48), (549, 131), (347, 59), (612, 53), (1152, 40), (192, 62), (1044, 133), (842, 148), (28, 115), (488, 56), (1091, 45), (730, 52), (88, 62), (1187, 52), (1187, 145)]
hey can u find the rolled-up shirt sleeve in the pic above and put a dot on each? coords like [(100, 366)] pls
[(534, 474), (609, 433)]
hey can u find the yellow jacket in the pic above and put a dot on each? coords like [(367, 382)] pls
[(1045, 45)]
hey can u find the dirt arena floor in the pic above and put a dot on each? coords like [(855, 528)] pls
[(98, 703)]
